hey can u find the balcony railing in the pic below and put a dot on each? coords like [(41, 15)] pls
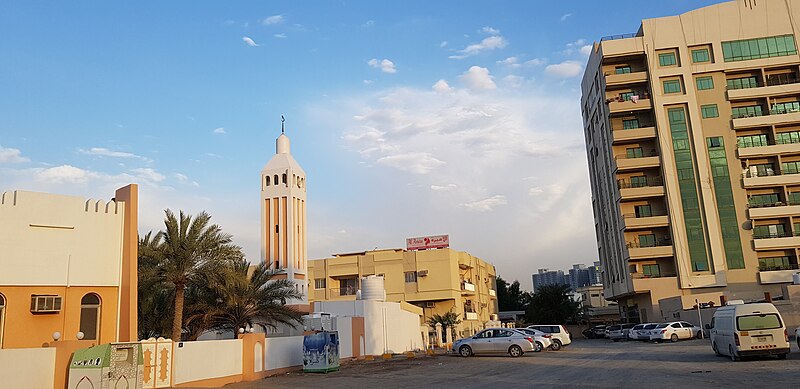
[(634, 216), (633, 97), (627, 183), (645, 276), (643, 155), (768, 205), (782, 79), (773, 235), (657, 243), (618, 36), (775, 111), (791, 266)]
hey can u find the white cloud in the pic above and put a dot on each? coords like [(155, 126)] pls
[(384, 65), (564, 17), (273, 20), (489, 43), (478, 78), (184, 179), (149, 174), (280, 36), (219, 130), (485, 205), (64, 174), (9, 155), (367, 82), (441, 86), (250, 42), (586, 50), (443, 188), (535, 62), (514, 81), (490, 30), (510, 61), (414, 162), (566, 69)]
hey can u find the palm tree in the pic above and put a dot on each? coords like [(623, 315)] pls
[(448, 320), (247, 296), (191, 249), (155, 295)]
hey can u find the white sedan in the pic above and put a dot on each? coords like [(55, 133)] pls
[(673, 331), (542, 340)]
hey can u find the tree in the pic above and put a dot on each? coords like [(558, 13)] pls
[(188, 251), (448, 320), (511, 297), (245, 295), (155, 295), (552, 304)]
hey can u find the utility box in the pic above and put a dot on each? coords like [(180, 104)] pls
[(321, 352), (112, 365)]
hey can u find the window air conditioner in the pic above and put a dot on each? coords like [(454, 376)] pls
[(422, 273), (45, 303), (429, 304)]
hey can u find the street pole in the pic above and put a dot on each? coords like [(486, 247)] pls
[(700, 317)]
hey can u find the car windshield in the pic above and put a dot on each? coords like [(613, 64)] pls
[(764, 321), (637, 327), (662, 325), (650, 326)]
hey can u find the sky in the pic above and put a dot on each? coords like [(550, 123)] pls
[(410, 118)]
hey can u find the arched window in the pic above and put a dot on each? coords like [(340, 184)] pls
[(2, 316), (284, 178), (267, 180), (90, 316), (276, 179)]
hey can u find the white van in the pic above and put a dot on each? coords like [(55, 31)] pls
[(740, 330)]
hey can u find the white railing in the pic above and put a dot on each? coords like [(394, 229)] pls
[(492, 293), (468, 286), (471, 315)]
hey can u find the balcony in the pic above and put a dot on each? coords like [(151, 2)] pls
[(617, 106), (467, 288), (625, 163), (776, 241), (771, 149), (492, 293), (751, 180), (660, 249), (774, 118), (634, 134), (626, 78), (777, 275), (779, 209), (632, 222), (630, 189), (782, 85), (646, 284), (470, 315)]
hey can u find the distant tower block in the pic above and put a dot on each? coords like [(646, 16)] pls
[(283, 216)]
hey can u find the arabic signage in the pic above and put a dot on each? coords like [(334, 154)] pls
[(428, 242)]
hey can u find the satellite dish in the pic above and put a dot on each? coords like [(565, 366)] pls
[(747, 225)]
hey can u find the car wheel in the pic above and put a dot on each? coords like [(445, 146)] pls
[(716, 352), (538, 347), (465, 351), (699, 335), (556, 345), (732, 354), (673, 338), (515, 351), (781, 356)]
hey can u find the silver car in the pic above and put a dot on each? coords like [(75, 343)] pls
[(495, 341), (541, 340)]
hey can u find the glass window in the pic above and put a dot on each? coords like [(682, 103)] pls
[(622, 70), (320, 283), (742, 83), (643, 210), (793, 198), (783, 138), (752, 141), (700, 55), (709, 111), (630, 124), (672, 86), (780, 108), (411, 276), (764, 321), (90, 316), (634, 152), (774, 263), (704, 83), (790, 167), (747, 49), (769, 231), (746, 112), (651, 270), (638, 181), (667, 59), (647, 240), (761, 200), (626, 96)]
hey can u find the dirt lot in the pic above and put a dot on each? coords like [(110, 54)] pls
[(586, 363)]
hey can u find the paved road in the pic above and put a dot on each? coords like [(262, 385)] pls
[(584, 364)]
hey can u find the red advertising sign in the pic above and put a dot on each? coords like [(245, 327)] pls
[(428, 242)]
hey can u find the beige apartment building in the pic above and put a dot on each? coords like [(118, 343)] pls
[(692, 129), (436, 280)]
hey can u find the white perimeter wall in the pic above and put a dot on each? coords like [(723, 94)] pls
[(283, 352), (31, 368), (345, 327), (208, 359)]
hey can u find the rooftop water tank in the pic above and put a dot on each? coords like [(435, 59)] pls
[(372, 289)]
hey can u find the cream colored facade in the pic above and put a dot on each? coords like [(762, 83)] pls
[(436, 280), (79, 257), (693, 133)]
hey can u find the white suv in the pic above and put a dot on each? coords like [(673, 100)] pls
[(674, 330), (560, 336)]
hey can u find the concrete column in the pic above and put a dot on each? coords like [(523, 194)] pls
[(439, 341), (449, 335)]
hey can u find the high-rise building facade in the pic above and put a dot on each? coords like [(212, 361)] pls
[(692, 128), (548, 277)]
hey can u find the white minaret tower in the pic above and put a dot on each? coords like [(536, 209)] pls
[(283, 216)]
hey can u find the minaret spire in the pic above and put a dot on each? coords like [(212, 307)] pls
[(282, 120)]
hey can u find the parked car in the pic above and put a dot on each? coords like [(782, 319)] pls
[(674, 331), (617, 332), (542, 340), (594, 332), (495, 341), (797, 336), (641, 331), (740, 329), (560, 336)]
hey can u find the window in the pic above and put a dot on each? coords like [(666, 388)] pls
[(743, 50), (774, 263), (715, 141), (643, 210), (783, 138), (411, 276), (709, 111), (769, 231), (763, 169), (704, 83), (752, 141), (764, 321), (626, 96), (267, 180), (276, 180), (283, 178), (90, 316), (320, 283), (635, 152), (651, 270), (2, 316), (780, 108), (348, 286), (638, 181), (700, 55), (742, 83), (761, 200), (793, 198), (746, 112), (790, 167), (672, 86), (630, 124), (647, 240), (667, 59), (622, 70)]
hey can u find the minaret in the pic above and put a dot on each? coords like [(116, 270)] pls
[(283, 217)]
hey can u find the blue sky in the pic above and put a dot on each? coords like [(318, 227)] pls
[(410, 118)]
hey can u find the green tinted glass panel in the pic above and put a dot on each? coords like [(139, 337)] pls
[(743, 50), (651, 270), (752, 141), (726, 207), (774, 263), (672, 86), (626, 96), (647, 240), (667, 59), (704, 83), (793, 198), (742, 83), (783, 138), (747, 112), (688, 190), (635, 152), (630, 124), (643, 211), (622, 70), (790, 167), (779, 108), (700, 55), (709, 111), (763, 200)]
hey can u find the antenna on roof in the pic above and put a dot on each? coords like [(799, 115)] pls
[(282, 120)]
